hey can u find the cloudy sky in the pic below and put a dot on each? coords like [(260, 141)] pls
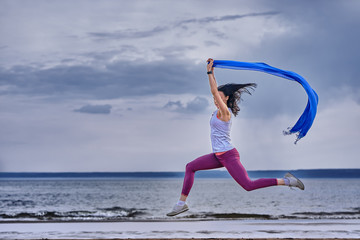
[(122, 85)]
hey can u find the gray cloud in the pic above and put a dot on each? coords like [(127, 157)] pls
[(128, 33), (211, 43), (225, 18), (104, 56), (173, 51), (136, 34), (119, 79), (199, 104), (173, 106), (68, 60), (322, 49), (95, 109)]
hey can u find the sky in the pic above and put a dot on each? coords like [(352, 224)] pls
[(122, 86)]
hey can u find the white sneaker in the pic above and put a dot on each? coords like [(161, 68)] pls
[(294, 181), (177, 209)]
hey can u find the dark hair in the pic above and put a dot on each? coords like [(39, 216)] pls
[(234, 92)]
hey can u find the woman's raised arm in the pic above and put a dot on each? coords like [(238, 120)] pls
[(225, 114)]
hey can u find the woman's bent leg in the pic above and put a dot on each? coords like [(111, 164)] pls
[(231, 161), (205, 162)]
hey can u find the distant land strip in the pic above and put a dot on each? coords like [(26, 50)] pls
[(301, 173)]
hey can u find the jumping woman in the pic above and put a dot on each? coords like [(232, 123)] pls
[(226, 99)]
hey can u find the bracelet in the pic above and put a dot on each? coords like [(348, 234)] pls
[(210, 72)]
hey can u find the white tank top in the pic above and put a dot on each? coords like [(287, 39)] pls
[(220, 134)]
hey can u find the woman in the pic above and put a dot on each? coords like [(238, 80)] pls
[(226, 99)]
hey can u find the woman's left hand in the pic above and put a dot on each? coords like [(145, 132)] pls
[(209, 66)]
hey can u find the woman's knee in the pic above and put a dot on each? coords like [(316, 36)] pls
[(189, 167), (248, 187)]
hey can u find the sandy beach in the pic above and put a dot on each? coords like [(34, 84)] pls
[(236, 229), (230, 238), (235, 238)]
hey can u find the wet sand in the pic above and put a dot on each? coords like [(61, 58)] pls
[(178, 230)]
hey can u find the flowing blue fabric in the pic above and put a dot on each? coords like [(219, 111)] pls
[(305, 121)]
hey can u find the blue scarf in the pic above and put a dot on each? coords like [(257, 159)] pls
[(305, 121)]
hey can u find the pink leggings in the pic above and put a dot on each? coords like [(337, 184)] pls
[(231, 161)]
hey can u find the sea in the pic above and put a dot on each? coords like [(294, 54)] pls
[(131, 202)]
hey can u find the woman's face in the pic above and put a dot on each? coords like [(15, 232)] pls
[(223, 98)]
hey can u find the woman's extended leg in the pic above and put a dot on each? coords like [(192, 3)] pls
[(208, 161), (231, 161), (205, 162)]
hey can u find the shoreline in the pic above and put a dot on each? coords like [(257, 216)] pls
[(180, 220)]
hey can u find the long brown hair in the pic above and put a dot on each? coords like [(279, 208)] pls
[(234, 92)]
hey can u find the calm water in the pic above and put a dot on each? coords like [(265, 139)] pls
[(150, 199)]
